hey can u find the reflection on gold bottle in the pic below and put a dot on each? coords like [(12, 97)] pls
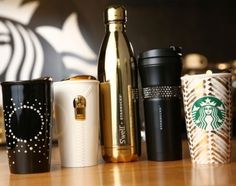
[(2, 132), (116, 72)]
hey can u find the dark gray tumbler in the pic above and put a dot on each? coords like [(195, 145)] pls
[(160, 72)]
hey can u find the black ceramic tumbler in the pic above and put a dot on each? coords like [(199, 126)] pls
[(160, 72), (27, 118)]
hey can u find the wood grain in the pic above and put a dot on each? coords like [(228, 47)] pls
[(142, 172)]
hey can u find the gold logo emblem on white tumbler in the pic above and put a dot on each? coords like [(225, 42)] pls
[(80, 107)]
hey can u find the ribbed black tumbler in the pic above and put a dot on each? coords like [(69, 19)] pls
[(160, 72), (27, 117)]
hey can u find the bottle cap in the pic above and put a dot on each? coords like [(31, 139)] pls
[(115, 13)]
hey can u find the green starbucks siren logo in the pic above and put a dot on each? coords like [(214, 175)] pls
[(208, 113)]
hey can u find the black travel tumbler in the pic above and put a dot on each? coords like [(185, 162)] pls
[(160, 72), (27, 107)]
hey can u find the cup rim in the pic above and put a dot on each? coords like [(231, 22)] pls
[(187, 76), (75, 81), (21, 82)]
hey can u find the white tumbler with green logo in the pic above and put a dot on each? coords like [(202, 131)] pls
[(208, 113)]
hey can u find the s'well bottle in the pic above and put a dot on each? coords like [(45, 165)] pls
[(118, 91)]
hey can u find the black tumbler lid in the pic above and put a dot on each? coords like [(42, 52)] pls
[(161, 52), (160, 66)]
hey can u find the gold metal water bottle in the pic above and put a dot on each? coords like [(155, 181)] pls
[(118, 91)]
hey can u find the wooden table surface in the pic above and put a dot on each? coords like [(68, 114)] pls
[(142, 172)]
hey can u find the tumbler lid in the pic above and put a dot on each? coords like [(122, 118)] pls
[(160, 67), (115, 13), (30, 81), (161, 52), (81, 77)]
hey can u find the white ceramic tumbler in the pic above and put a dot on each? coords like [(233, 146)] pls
[(76, 104)]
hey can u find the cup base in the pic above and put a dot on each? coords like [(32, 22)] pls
[(32, 170), (210, 162), (76, 165), (22, 161), (164, 157)]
